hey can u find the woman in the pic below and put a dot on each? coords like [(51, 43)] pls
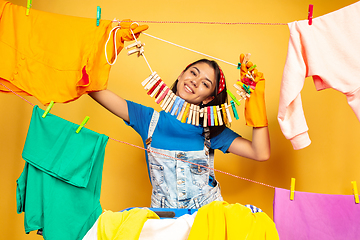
[(178, 153)]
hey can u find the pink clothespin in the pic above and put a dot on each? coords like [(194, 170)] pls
[(310, 14)]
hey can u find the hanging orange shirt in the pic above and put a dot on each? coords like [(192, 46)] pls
[(50, 56)]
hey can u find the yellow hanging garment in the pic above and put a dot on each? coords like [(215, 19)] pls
[(123, 225), (55, 57), (219, 220)]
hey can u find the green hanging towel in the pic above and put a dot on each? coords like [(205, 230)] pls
[(59, 188)]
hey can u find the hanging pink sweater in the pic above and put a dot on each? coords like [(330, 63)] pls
[(329, 51)]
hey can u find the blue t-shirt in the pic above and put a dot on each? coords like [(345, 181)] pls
[(172, 134)]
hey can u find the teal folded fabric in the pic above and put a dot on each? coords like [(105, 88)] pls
[(59, 189)]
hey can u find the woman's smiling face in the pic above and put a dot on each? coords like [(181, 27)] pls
[(197, 83)]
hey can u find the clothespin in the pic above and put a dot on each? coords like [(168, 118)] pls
[(152, 90), (139, 48), (187, 108), (197, 115), (172, 99), (355, 191), (252, 67), (228, 112), (162, 86), (219, 115), (214, 112), (310, 13), (234, 110), (82, 124), (28, 6), (204, 113), (152, 82), (233, 97), (162, 95), (148, 78), (181, 109), (292, 189), (176, 105), (98, 16), (224, 113), (239, 66), (48, 109), (210, 116), (166, 100), (191, 112)]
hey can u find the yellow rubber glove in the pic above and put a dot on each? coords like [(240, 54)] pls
[(124, 33), (255, 110)]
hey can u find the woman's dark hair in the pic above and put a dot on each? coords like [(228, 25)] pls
[(219, 99)]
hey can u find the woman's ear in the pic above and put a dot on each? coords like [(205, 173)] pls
[(208, 99)]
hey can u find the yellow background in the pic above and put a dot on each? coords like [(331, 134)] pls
[(328, 165)]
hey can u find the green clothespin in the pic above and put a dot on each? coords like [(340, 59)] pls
[(239, 66), (48, 109), (28, 6), (234, 109), (233, 97), (82, 124), (252, 67)]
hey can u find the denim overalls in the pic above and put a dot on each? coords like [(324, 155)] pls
[(178, 184)]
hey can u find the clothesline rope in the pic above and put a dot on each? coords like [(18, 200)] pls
[(210, 22), (190, 49), (133, 145)]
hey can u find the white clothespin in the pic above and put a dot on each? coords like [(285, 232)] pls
[(205, 117), (189, 121), (148, 79), (197, 115), (219, 115), (171, 102), (165, 102), (228, 112), (139, 48)]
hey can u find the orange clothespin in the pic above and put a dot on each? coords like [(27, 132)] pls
[(292, 189), (355, 191), (224, 113), (310, 13), (48, 109)]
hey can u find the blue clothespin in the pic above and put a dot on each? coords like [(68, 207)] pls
[(175, 106), (82, 124), (28, 6), (181, 103), (212, 116), (48, 109), (234, 109)]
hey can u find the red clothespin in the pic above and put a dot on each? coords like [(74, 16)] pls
[(310, 14)]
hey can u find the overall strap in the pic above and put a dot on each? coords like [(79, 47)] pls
[(152, 126)]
